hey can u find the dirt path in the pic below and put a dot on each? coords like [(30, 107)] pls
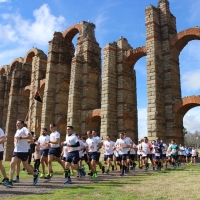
[(25, 187)]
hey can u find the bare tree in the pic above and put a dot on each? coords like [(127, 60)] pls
[(192, 139)]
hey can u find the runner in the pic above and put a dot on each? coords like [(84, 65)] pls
[(181, 154), (2, 140), (72, 157), (108, 146), (188, 155), (139, 153), (94, 133), (122, 146), (174, 153), (158, 146), (43, 141), (128, 140), (132, 156), (145, 149), (194, 155), (164, 151), (21, 138), (92, 148), (54, 151)]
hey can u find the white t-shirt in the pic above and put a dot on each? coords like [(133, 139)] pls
[(194, 152), (72, 140), (81, 154), (108, 146), (92, 144), (99, 141), (65, 151), (21, 145), (1, 135), (139, 152), (120, 143), (53, 137), (145, 147), (43, 140), (181, 151), (164, 151), (132, 151)]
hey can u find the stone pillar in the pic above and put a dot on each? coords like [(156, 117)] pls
[(156, 112), (84, 92), (12, 113), (126, 93), (39, 62), (109, 92), (2, 96), (172, 88)]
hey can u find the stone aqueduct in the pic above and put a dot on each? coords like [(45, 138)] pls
[(76, 91)]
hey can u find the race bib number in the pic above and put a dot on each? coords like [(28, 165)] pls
[(44, 145), (107, 146), (157, 154), (174, 150), (187, 152)]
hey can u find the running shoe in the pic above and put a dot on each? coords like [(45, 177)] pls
[(47, 177), (51, 174), (107, 171), (122, 174), (35, 178), (7, 184), (95, 175), (5, 179), (42, 175), (16, 180), (68, 181)]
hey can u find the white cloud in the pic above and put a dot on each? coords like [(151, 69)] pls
[(191, 81), (142, 122), (191, 120), (3, 1), (19, 33)]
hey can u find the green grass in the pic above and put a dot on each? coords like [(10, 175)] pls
[(182, 183)]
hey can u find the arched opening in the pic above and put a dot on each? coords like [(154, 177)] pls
[(3, 71), (180, 109), (135, 58), (93, 121)]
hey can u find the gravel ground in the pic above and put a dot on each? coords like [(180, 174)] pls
[(25, 187)]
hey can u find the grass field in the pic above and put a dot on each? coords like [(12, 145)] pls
[(182, 183)]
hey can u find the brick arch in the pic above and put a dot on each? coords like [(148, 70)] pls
[(30, 54), (180, 40), (69, 33), (3, 70), (185, 104), (14, 62), (133, 55)]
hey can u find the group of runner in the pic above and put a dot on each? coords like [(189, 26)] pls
[(123, 153)]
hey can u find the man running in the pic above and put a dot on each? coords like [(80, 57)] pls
[(122, 146), (54, 151), (21, 138), (174, 153), (92, 149), (2, 140), (43, 141), (158, 146), (108, 146), (72, 157)]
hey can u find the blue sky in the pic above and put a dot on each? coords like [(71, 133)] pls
[(26, 24)]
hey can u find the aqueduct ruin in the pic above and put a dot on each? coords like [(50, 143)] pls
[(76, 91)]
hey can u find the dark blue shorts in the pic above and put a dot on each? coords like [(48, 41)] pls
[(93, 156), (72, 157), (23, 156), (156, 157), (98, 156), (1, 155), (108, 156), (131, 157), (122, 157), (44, 152), (55, 151)]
